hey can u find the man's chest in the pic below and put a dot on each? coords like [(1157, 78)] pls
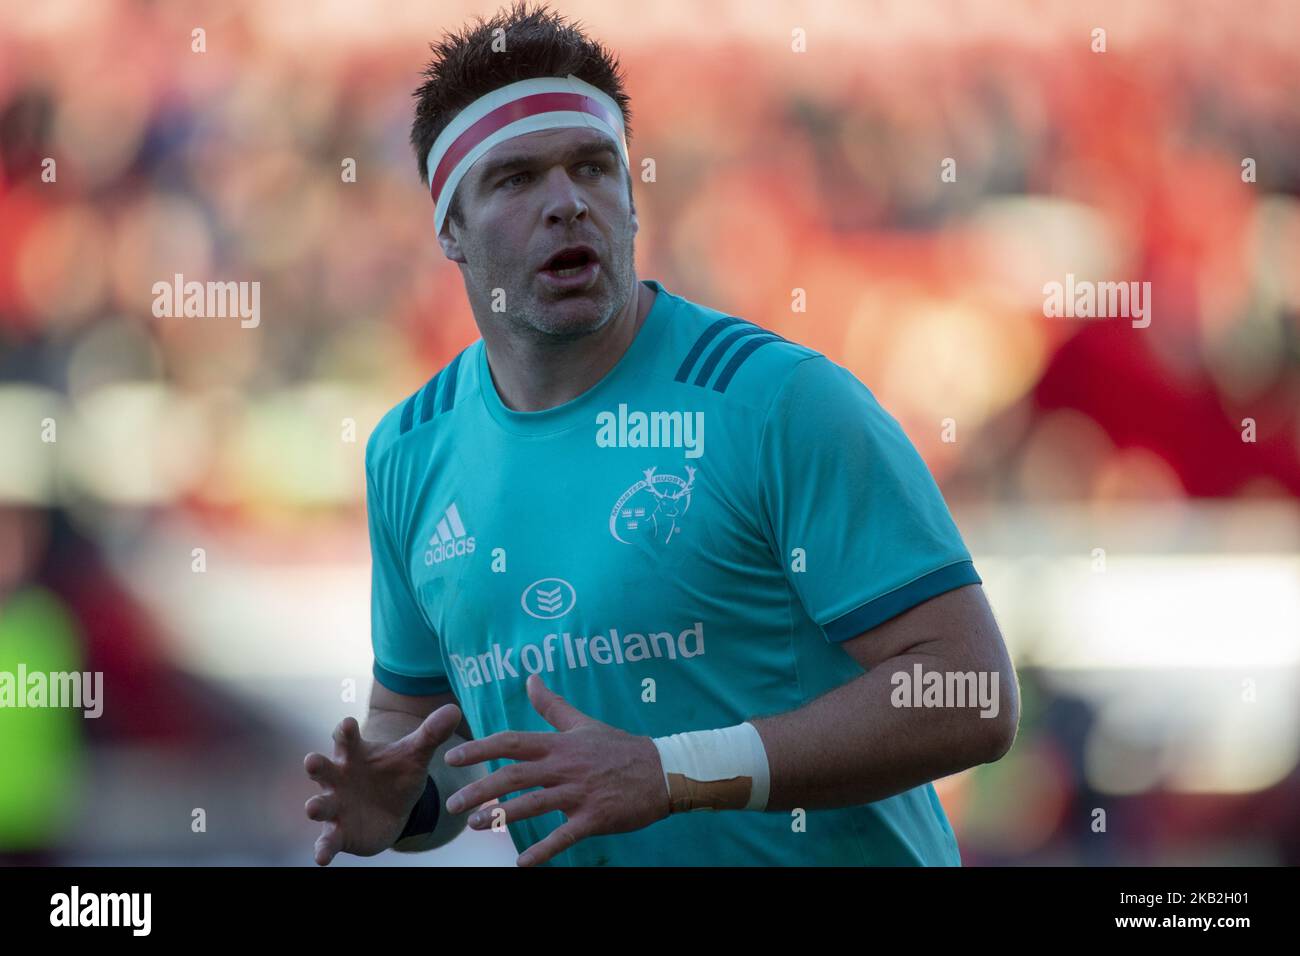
[(607, 556)]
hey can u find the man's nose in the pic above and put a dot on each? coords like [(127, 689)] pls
[(564, 200)]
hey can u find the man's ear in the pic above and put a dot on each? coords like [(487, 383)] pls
[(450, 243)]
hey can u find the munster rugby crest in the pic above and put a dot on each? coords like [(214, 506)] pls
[(653, 507)]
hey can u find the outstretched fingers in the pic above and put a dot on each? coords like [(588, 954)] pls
[(347, 738), (329, 843), (435, 729), (531, 804), (555, 843), (322, 807), (321, 769)]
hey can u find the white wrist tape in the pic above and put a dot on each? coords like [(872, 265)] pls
[(448, 780), (715, 769)]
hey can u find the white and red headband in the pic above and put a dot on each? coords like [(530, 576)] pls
[(550, 102)]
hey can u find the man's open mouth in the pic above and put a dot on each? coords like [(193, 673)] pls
[(569, 261)]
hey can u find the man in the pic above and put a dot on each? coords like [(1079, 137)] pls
[(669, 651)]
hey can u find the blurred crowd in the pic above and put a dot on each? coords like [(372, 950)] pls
[(140, 140)]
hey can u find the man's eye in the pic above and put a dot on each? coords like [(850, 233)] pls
[(511, 180), (598, 167)]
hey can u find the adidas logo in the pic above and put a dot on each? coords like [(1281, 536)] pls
[(450, 540)]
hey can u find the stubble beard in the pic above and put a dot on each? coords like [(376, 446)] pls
[(567, 317)]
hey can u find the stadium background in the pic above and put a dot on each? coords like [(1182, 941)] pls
[(1162, 689)]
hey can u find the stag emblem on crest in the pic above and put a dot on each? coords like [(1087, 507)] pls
[(652, 507)]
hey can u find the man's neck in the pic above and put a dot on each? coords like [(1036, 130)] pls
[(532, 374)]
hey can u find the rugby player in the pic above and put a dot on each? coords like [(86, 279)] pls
[(645, 575)]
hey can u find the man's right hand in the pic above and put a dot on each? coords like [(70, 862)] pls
[(369, 789)]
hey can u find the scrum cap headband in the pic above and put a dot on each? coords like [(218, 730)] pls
[(550, 102)]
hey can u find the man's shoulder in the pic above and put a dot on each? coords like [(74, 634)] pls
[(740, 359), (419, 412)]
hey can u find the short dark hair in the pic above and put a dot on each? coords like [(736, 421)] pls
[(538, 43)]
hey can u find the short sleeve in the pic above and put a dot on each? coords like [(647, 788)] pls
[(408, 659), (841, 482)]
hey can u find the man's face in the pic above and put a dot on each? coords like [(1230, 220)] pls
[(526, 200)]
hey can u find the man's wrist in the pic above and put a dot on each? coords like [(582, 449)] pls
[(442, 781), (424, 815), (722, 769)]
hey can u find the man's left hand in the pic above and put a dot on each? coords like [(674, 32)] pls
[(602, 779)]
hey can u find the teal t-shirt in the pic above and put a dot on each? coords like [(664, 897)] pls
[(681, 547)]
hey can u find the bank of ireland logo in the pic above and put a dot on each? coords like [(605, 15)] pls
[(653, 506), (549, 598)]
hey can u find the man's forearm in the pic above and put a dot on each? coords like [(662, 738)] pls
[(852, 745)]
